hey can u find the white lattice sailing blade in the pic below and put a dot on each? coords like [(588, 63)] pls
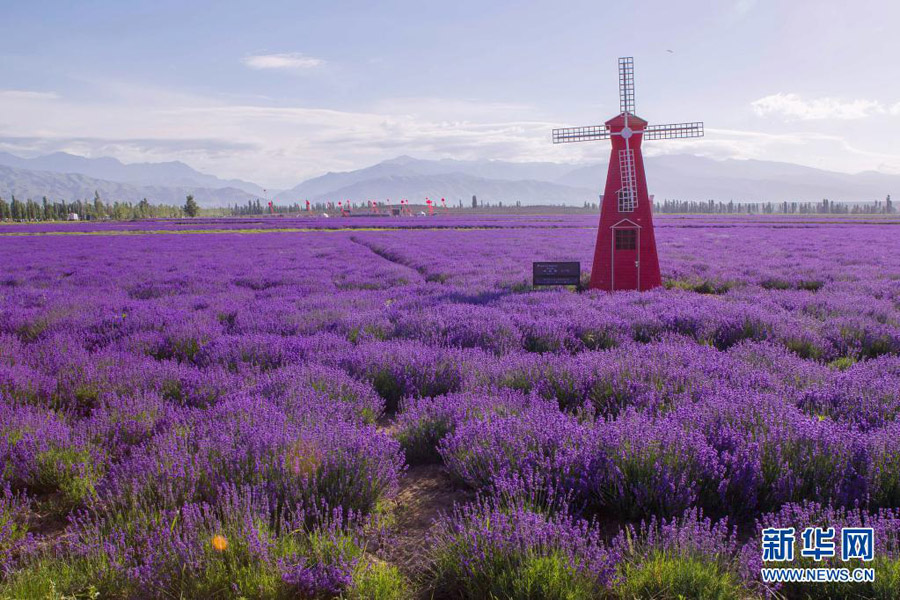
[(627, 195), (580, 134), (626, 84), (674, 131)]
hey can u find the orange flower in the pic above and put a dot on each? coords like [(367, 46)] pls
[(220, 543)]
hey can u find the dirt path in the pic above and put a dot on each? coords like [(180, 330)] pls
[(47, 521), (425, 491)]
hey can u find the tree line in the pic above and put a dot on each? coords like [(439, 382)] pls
[(98, 209), (92, 210), (825, 207), (256, 207)]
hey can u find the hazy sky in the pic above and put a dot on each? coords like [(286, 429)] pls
[(275, 92)]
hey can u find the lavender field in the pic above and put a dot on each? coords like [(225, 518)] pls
[(385, 408)]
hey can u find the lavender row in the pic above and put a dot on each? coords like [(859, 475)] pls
[(199, 411)]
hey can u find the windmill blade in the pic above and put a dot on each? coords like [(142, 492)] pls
[(627, 195), (626, 84), (674, 131), (580, 134)]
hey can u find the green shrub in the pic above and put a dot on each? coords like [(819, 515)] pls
[(420, 440), (378, 581), (774, 283), (505, 550), (702, 286), (547, 577), (671, 577), (811, 285), (74, 472), (843, 363), (55, 578)]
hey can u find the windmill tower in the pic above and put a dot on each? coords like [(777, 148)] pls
[(625, 255)]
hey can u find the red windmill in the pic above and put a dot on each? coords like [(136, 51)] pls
[(430, 207), (625, 255)]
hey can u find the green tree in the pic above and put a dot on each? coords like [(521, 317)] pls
[(144, 209), (191, 208), (16, 209), (99, 208)]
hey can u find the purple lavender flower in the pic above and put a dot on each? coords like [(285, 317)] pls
[(424, 422), (488, 549), (15, 540), (538, 443)]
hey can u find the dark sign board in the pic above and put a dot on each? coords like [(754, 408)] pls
[(556, 273)]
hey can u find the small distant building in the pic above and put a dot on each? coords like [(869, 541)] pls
[(72, 217)]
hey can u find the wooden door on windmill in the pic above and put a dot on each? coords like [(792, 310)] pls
[(626, 242)]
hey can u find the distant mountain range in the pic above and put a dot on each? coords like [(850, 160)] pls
[(165, 174), (687, 177), (24, 184), (414, 179), (681, 176), (684, 177)]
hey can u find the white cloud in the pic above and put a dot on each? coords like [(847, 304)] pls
[(455, 109), (832, 152), (27, 95), (287, 60), (736, 143), (278, 146), (794, 107)]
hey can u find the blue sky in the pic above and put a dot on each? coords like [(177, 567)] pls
[(276, 92)]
